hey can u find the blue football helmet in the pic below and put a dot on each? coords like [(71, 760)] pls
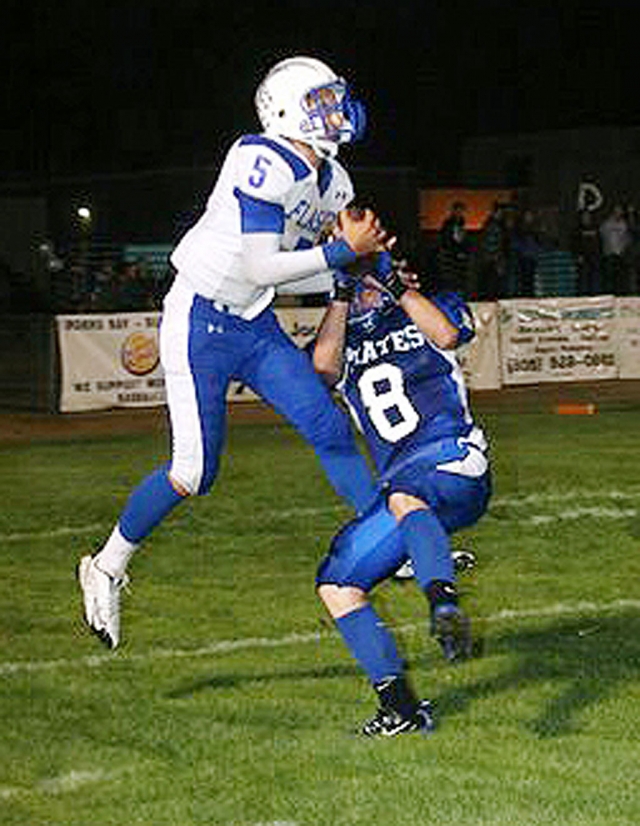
[(367, 304)]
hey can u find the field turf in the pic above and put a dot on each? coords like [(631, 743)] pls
[(232, 701)]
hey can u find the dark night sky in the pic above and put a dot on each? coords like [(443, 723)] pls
[(104, 87)]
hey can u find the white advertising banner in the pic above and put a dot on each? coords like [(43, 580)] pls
[(480, 359), (629, 337), (558, 339), (113, 360), (109, 361)]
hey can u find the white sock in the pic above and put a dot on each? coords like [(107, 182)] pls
[(115, 554)]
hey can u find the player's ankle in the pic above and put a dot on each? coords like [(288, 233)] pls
[(395, 694), (441, 592)]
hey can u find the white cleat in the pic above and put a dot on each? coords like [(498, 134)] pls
[(405, 571), (101, 594), (463, 560)]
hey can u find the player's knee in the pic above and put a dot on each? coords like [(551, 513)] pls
[(206, 482), (192, 484), (180, 487), (340, 600), (331, 570), (402, 504)]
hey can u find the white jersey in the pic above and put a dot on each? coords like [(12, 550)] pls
[(265, 186)]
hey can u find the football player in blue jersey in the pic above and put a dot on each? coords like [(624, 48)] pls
[(390, 351), (259, 229)]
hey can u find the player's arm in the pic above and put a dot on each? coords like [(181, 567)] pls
[(264, 178), (265, 263), (328, 351), (429, 319), (441, 320), (444, 317)]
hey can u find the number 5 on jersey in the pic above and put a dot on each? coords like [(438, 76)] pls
[(259, 171)]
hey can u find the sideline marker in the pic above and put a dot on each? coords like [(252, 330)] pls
[(576, 409)]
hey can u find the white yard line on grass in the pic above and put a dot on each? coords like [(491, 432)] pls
[(580, 513), (277, 823), (568, 496), (63, 783), (97, 527), (20, 667), (563, 609), (50, 534), (499, 501)]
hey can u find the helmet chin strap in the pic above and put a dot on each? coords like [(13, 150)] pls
[(314, 150), (324, 148)]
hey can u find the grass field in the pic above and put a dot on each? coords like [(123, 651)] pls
[(232, 701)]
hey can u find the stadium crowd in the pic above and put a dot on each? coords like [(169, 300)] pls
[(522, 252), (518, 252)]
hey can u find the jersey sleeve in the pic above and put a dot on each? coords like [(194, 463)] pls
[(263, 178), (459, 314), (265, 174)]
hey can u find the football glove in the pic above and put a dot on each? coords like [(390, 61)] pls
[(344, 286), (387, 274)]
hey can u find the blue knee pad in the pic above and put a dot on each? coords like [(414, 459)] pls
[(366, 551)]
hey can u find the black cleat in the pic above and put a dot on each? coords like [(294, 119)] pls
[(463, 560), (388, 723)]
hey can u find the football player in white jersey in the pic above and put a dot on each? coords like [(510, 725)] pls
[(274, 193), (389, 350)]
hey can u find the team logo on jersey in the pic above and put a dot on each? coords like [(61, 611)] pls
[(140, 354), (394, 341), (309, 218)]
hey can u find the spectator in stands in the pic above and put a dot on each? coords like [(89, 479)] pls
[(585, 246), (103, 289), (556, 274), (525, 249), (454, 249), (615, 237), (633, 252), (509, 287), (131, 292), (489, 258)]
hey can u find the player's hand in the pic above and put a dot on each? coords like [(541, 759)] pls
[(344, 286), (409, 278), (393, 277), (362, 230)]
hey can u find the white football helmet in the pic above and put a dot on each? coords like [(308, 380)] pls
[(302, 98)]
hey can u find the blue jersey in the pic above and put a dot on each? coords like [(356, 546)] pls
[(402, 389)]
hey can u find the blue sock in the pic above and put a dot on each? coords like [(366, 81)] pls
[(371, 643), (429, 547), (148, 505)]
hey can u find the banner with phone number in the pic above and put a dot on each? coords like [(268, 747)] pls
[(629, 337), (112, 360), (558, 339)]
